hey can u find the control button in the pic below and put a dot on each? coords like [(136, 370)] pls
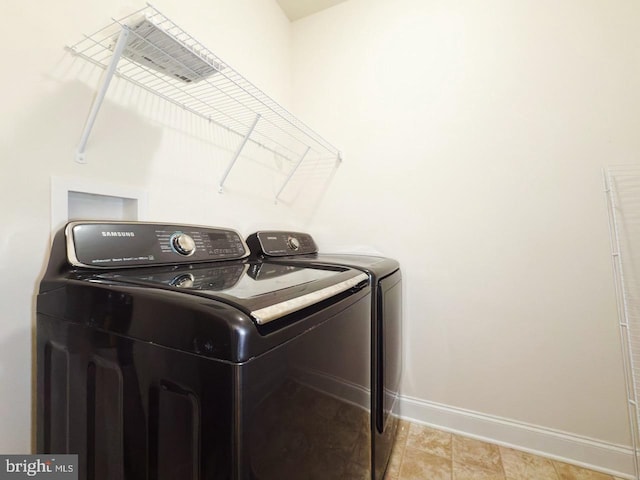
[(293, 243), (183, 244)]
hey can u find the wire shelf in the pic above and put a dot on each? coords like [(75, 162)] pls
[(622, 185), (152, 52)]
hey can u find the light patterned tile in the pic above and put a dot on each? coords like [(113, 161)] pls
[(471, 452), (422, 453), (392, 473), (397, 451), (571, 472), (430, 440), (420, 465), (403, 431), (393, 469), (524, 466), (462, 471)]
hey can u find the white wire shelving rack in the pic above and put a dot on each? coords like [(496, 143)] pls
[(153, 53), (622, 186)]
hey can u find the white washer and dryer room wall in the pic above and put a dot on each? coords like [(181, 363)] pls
[(475, 134)]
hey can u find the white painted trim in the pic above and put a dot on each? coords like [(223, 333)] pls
[(61, 186), (546, 442)]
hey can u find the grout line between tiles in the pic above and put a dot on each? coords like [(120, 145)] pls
[(504, 472), (451, 455)]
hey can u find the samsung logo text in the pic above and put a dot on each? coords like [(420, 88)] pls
[(118, 234)]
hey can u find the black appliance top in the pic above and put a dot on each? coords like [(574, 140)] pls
[(187, 287), (296, 248), (264, 291)]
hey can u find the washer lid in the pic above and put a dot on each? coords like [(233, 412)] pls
[(265, 291)]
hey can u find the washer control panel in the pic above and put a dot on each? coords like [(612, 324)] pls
[(281, 243), (128, 244)]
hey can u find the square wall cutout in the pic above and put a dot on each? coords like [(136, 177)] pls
[(83, 206), (82, 199)]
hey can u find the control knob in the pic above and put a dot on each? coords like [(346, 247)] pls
[(293, 243), (184, 280), (183, 244)]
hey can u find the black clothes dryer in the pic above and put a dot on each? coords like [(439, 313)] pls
[(385, 278), (163, 353)]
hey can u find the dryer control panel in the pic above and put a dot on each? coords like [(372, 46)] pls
[(281, 243), (133, 244)]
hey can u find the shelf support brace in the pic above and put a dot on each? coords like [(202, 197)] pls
[(292, 172), (237, 153), (97, 101)]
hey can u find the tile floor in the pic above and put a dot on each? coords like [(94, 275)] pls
[(422, 453)]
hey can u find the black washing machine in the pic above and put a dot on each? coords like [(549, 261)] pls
[(164, 353), (385, 277)]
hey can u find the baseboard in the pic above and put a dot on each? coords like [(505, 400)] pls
[(601, 456)]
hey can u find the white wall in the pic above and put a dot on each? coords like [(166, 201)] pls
[(474, 134), (138, 142)]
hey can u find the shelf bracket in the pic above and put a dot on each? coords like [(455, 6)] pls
[(292, 172), (97, 101), (237, 153)]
